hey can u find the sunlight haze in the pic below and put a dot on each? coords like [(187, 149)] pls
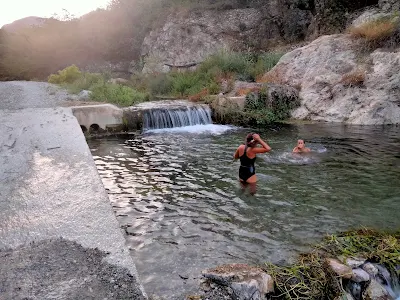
[(18, 9)]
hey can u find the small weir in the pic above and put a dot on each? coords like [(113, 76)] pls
[(160, 118)]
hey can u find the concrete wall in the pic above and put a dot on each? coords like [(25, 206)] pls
[(106, 116), (56, 218)]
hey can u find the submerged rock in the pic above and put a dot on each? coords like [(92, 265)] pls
[(376, 291), (345, 296), (370, 269), (246, 282)]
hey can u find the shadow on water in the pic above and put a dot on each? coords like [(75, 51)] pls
[(176, 195)]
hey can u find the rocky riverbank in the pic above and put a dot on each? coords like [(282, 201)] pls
[(355, 265)]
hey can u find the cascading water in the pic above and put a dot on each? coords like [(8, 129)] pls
[(159, 118)]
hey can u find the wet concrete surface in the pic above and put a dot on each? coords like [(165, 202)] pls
[(50, 189)]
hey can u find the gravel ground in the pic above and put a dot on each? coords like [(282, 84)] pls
[(60, 269), (30, 94)]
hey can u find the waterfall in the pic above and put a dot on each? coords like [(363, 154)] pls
[(158, 118)]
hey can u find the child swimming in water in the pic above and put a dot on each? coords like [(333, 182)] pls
[(301, 147)]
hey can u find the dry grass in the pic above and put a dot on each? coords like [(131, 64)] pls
[(199, 96), (273, 76), (353, 78), (374, 31), (245, 91)]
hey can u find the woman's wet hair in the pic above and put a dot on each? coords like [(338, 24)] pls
[(250, 140)]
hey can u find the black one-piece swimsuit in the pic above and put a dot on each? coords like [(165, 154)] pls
[(247, 168)]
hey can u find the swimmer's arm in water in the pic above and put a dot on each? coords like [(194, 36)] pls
[(295, 150), (264, 146)]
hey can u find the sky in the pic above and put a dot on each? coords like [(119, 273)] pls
[(18, 9)]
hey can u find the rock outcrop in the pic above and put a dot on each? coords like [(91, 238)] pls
[(188, 37), (340, 83), (185, 41), (25, 23)]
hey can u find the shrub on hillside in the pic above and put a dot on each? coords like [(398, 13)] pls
[(246, 66), (67, 75), (230, 62), (118, 94), (219, 70), (85, 82), (160, 84), (265, 63)]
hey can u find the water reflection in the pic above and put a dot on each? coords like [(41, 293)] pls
[(177, 198)]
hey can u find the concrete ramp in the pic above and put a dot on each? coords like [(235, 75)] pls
[(54, 213)]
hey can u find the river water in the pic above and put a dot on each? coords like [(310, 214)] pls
[(176, 196)]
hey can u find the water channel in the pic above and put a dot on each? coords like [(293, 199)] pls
[(175, 194)]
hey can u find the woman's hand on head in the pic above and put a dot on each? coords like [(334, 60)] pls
[(256, 137)]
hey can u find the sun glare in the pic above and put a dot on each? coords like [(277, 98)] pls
[(18, 9)]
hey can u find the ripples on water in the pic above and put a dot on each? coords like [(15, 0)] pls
[(175, 194)]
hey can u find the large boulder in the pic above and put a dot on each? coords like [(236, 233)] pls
[(246, 282), (338, 83)]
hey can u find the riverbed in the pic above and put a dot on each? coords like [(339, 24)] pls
[(176, 196)]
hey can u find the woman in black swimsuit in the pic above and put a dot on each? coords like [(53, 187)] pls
[(247, 155)]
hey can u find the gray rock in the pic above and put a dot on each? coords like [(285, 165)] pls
[(246, 290), (184, 41), (375, 291), (354, 262), (389, 5), (84, 95), (359, 275), (370, 269), (369, 16), (245, 281)]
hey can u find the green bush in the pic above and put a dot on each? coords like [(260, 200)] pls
[(189, 83), (118, 94), (223, 65), (85, 82), (265, 62), (213, 88), (67, 75), (161, 84), (230, 63)]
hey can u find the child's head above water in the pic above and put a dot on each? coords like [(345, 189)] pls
[(300, 144)]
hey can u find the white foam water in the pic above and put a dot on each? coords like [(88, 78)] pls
[(212, 129)]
